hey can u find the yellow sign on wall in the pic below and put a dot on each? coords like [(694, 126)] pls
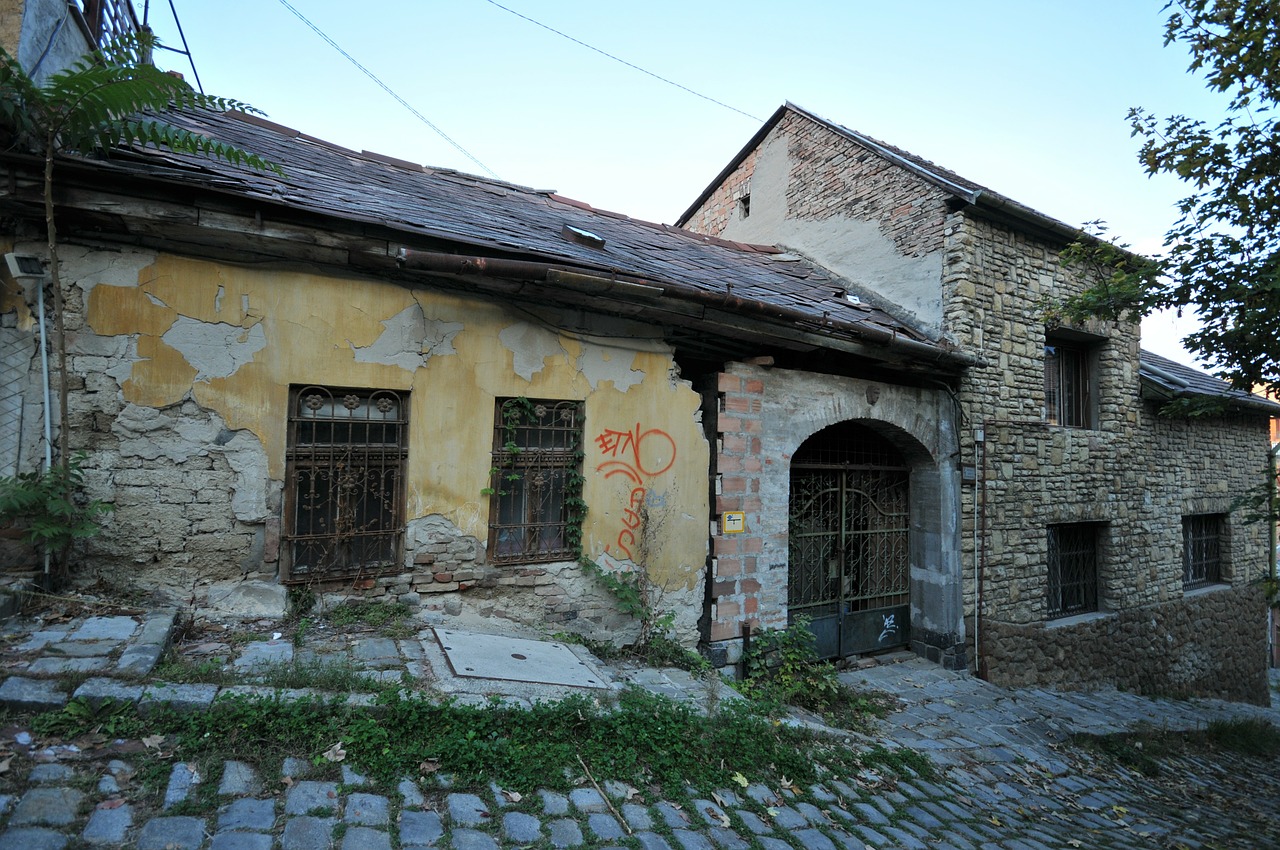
[(733, 522)]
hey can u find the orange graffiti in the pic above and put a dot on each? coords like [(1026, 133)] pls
[(637, 455), (631, 444)]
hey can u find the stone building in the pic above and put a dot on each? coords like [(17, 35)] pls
[(831, 393), (1059, 529)]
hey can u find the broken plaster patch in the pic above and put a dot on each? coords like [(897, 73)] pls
[(597, 364), (409, 340), (214, 349), (181, 432), (530, 347)]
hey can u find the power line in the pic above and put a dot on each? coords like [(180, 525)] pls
[(387, 89), (621, 61)]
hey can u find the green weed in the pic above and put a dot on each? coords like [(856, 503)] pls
[(390, 618), (113, 718), (646, 741), (338, 676), (782, 669), (1143, 748)]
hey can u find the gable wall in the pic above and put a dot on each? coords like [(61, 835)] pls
[(871, 222), (181, 375)]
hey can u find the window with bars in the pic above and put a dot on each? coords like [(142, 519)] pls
[(344, 488), (1202, 537), (536, 480), (1069, 383), (1073, 568)]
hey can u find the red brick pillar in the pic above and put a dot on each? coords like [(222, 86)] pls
[(736, 589)]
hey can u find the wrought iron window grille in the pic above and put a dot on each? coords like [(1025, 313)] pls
[(535, 480), (1202, 537), (1073, 569), (344, 487)]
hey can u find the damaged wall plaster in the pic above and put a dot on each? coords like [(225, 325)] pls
[(387, 337), (409, 340), (857, 250), (530, 347), (214, 349), (598, 363)]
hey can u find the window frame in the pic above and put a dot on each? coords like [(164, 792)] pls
[(535, 480), (1204, 547), (1082, 541), (1071, 379), (317, 450)]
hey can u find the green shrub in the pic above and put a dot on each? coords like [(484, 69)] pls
[(50, 507)]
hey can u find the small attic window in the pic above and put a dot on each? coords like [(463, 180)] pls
[(744, 206), (582, 237), (845, 295)]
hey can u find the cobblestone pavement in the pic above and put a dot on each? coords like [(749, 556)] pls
[(1007, 776)]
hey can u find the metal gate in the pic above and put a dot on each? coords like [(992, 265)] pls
[(848, 544)]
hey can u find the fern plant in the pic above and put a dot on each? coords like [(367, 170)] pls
[(106, 99), (50, 507)]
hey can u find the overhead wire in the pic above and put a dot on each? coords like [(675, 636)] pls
[(441, 133), (619, 60)]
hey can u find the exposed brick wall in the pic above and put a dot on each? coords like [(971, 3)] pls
[(721, 207), (834, 176), (739, 466), (830, 176)]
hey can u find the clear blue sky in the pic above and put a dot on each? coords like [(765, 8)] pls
[(1027, 97)]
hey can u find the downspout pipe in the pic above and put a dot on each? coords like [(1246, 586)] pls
[(431, 261), (48, 403), (1271, 537)]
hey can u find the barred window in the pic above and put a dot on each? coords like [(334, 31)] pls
[(536, 481), (1073, 568), (344, 488), (1069, 383), (1202, 536)]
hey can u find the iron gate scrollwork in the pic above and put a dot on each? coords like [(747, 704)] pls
[(344, 488), (849, 531)]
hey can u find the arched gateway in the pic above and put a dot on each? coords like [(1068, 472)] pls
[(849, 539)]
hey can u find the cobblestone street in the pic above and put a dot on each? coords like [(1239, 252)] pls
[(1007, 775)]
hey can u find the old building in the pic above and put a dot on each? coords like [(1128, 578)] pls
[(370, 376), (837, 391), (1086, 537)]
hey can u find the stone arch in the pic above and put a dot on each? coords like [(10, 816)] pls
[(921, 423)]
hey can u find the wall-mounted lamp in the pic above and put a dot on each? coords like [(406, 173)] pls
[(28, 271)]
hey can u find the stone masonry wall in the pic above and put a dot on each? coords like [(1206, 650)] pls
[(1137, 473), (1211, 644), (818, 192)]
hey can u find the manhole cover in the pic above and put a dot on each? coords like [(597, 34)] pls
[(483, 656)]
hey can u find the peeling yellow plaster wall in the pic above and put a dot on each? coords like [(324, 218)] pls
[(311, 322)]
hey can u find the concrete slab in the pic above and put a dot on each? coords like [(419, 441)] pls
[(482, 656)]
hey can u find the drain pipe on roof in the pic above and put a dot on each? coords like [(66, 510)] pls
[(596, 282)]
